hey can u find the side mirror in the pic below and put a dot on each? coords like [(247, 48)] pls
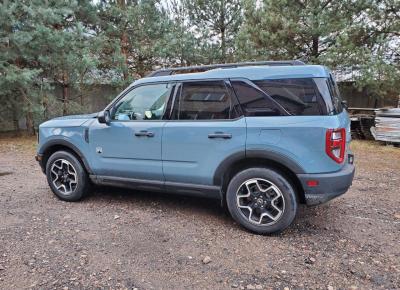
[(345, 105), (104, 117)]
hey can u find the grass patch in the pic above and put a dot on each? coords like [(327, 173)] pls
[(21, 143), (368, 146)]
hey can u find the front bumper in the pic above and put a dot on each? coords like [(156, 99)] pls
[(329, 185)]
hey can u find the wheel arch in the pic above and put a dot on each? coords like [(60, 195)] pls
[(52, 146), (257, 158)]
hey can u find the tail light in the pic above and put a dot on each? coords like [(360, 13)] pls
[(336, 144)]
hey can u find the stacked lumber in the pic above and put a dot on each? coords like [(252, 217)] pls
[(387, 125)]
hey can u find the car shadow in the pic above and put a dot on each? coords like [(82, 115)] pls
[(167, 201), (308, 221)]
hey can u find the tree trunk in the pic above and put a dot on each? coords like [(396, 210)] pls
[(17, 129), (81, 90), (140, 66), (124, 42), (223, 45), (30, 126), (45, 107), (65, 94), (223, 30), (124, 51), (315, 47)]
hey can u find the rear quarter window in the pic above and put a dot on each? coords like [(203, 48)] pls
[(335, 95), (298, 96)]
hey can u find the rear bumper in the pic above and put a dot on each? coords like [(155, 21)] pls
[(330, 185)]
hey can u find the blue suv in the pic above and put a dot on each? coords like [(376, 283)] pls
[(261, 137)]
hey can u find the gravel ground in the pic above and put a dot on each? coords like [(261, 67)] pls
[(120, 239)]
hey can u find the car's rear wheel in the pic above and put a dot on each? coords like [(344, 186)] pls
[(66, 176), (262, 200)]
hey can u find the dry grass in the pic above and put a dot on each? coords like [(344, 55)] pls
[(22, 143), (368, 146), (375, 156)]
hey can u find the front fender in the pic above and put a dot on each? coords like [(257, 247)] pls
[(72, 139)]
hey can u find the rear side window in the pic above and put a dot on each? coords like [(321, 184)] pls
[(205, 100), (298, 96), (254, 102)]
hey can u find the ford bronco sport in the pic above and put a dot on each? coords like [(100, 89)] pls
[(262, 137)]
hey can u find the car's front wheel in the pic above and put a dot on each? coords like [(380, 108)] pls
[(66, 176), (262, 200)]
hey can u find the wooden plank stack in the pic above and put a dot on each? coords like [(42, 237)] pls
[(387, 125)]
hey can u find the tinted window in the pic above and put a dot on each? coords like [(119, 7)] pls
[(297, 96), (336, 99), (325, 90), (143, 103), (254, 102), (208, 100)]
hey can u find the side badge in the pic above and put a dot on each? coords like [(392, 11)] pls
[(99, 150)]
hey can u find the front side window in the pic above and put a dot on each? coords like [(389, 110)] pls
[(204, 100), (143, 103), (298, 96)]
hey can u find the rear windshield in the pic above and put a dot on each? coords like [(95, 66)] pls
[(299, 96)]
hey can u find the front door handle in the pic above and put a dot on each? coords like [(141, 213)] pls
[(144, 133), (221, 135)]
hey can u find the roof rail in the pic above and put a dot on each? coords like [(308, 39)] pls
[(201, 68)]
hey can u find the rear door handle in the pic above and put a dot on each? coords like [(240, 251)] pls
[(144, 133), (220, 135)]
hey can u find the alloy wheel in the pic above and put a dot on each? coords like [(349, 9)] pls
[(63, 176), (260, 201)]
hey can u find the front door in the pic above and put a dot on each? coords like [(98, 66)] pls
[(130, 146), (205, 128)]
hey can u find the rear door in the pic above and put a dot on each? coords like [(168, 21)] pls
[(205, 127), (131, 145)]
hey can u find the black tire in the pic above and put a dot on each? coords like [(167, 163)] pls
[(75, 191), (288, 200)]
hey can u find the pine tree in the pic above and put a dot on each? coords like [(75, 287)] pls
[(217, 22), (355, 35), (180, 46), (133, 32), (295, 29), (65, 45), (45, 43), (17, 78)]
